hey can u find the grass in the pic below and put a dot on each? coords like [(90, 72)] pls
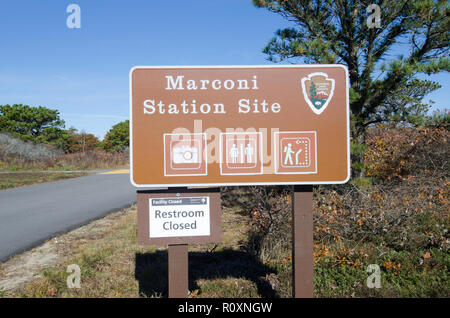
[(403, 274), (405, 235), (396, 218), (113, 265), (17, 171), (3, 293), (106, 262), (89, 160), (20, 179)]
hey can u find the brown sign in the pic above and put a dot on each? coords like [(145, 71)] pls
[(239, 125), (171, 217)]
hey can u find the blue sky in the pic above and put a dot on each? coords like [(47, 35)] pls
[(84, 72)]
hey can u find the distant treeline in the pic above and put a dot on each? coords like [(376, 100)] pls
[(41, 125)]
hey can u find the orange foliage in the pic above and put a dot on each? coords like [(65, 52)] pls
[(396, 153)]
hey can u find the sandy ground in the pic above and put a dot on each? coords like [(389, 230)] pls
[(23, 268)]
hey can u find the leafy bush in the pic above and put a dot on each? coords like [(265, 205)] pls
[(118, 137), (395, 153), (398, 220), (81, 142), (270, 222), (95, 159), (18, 155), (408, 216)]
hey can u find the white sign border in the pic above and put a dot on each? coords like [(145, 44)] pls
[(236, 183)]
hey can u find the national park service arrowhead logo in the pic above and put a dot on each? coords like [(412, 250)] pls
[(318, 90)]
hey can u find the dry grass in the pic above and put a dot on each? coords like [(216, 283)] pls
[(75, 161), (113, 265), (20, 179), (103, 249), (398, 221)]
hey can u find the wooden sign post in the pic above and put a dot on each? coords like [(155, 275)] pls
[(177, 217), (302, 242), (178, 270), (213, 126)]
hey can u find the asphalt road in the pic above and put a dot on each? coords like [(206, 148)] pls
[(33, 214)]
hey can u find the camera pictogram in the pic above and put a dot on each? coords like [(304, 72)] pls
[(185, 154)]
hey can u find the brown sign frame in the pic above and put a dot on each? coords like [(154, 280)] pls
[(141, 179)]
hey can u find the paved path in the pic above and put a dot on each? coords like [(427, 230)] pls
[(33, 214)]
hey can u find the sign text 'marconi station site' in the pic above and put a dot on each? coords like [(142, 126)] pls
[(244, 105)]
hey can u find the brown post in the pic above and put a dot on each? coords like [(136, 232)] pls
[(178, 270), (302, 242)]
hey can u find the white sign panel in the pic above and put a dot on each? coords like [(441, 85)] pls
[(179, 216)]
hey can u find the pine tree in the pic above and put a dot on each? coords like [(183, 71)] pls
[(381, 79), (118, 137)]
